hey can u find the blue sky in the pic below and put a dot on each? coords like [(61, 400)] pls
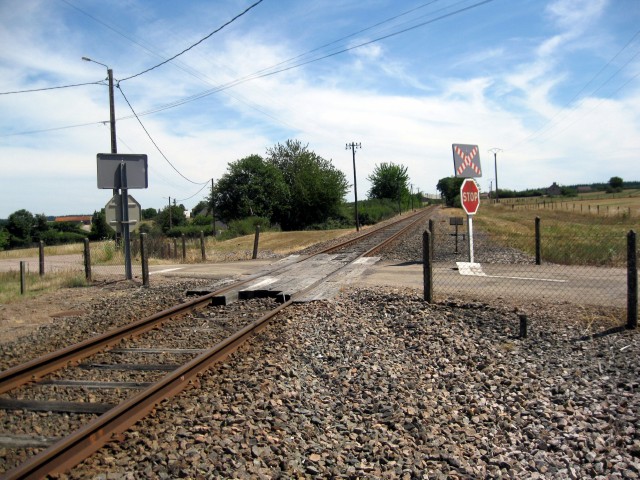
[(554, 84)]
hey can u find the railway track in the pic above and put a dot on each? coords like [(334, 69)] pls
[(100, 387)]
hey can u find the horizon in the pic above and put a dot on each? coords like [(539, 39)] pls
[(552, 84)]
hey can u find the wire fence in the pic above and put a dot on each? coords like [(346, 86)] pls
[(537, 268)]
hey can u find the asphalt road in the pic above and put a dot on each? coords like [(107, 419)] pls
[(519, 283)]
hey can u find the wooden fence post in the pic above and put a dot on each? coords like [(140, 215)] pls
[(632, 281), (23, 280), (41, 255), (184, 248), (427, 266), (255, 242), (87, 260), (202, 250), (144, 259), (538, 245)]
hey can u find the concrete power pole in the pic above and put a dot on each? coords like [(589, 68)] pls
[(495, 164), (353, 147)]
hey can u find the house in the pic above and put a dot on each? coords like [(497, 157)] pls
[(554, 190)]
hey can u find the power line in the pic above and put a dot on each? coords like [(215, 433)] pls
[(552, 122), (387, 20), (53, 88), (195, 44), (153, 141), (258, 75), (206, 184)]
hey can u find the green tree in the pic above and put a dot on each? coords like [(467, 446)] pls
[(616, 184), (4, 238), (20, 226), (148, 213), (203, 207), (251, 187), (100, 229), (389, 180), (170, 217), (315, 188), (449, 188)]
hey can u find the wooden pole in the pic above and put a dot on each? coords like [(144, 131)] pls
[(427, 266)]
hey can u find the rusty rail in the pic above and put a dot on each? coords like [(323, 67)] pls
[(72, 449)]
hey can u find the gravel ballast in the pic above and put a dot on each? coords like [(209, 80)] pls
[(379, 384)]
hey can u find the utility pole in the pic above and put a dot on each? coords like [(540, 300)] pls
[(213, 213), (411, 196), (495, 164), (124, 228), (170, 213), (353, 147)]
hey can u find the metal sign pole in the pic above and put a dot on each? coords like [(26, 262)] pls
[(470, 236), (124, 205)]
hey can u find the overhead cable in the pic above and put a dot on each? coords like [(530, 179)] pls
[(154, 143), (554, 121), (256, 76), (195, 44), (206, 184), (101, 82)]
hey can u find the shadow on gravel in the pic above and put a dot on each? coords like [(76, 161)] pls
[(606, 333)]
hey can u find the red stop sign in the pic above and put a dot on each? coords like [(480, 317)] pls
[(470, 196)]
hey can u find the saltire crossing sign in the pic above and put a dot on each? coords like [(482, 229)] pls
[(466, 160)]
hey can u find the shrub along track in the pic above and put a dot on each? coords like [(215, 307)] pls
[(104, 354)]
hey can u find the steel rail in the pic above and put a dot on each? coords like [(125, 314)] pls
[(420, 216), (369, 233), (35, 369), (72, 449)]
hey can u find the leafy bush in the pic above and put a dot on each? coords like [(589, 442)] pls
[(54, 237), (191, 231), (246, 226)]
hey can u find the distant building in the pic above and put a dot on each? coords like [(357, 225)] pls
[(554, 190), (584, 189)]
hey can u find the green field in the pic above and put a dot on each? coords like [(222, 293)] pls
[(590, 229)]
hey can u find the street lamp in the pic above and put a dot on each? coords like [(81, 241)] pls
[(495, 166), (112, 112), (124, 196), (353, 147)]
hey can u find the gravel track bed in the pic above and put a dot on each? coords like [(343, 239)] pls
[(379, 384)]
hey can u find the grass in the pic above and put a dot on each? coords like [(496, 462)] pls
[(568, 236), (36, 285), (69, 249)]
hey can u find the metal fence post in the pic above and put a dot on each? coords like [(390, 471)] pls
[(144, 259), (184, 248), (632, 281), (87, 260), (538, 245), (255, 242), (427, 266), (41, 255), (202, 250), (23, 280)]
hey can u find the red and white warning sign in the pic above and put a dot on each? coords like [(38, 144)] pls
[(466, 160), (470, 196)]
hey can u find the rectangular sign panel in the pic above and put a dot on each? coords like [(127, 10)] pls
[(110, 175), (466, 160)]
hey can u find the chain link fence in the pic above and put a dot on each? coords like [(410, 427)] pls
[(546, 265)]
